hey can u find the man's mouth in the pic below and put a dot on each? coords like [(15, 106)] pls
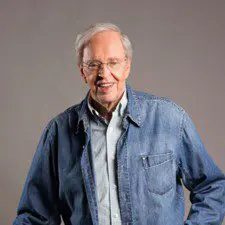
[(104, 87)]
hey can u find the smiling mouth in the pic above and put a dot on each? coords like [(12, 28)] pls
[(104, 87)]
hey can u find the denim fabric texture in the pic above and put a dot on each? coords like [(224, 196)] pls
[(158, 150)]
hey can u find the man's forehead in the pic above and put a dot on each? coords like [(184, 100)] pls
[(107, 43), (107, 35)]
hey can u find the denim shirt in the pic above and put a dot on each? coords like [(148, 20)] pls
[(158, 150)]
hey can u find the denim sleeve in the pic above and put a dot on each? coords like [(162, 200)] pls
[(201, 177), (38, 203)]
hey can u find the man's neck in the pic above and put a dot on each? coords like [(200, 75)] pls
[(104, 111)]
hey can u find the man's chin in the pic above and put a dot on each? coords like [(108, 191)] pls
[(105, 101)]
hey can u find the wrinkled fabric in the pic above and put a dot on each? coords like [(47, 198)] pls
[(158, 150)]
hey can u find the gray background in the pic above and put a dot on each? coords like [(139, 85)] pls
[(179, 52)]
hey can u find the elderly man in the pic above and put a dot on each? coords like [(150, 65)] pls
[(120, 156)]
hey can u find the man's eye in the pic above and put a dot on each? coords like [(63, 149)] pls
[(113, 63), (93, 65)]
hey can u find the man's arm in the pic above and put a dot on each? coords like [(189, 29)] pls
[(38, 203), (201, 177)]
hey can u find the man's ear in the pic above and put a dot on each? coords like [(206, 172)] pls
[(81, 69), (128, 66)]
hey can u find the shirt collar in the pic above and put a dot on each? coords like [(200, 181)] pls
[(120, 108), (132, 111)]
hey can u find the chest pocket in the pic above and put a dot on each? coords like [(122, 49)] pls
[(158, 172)]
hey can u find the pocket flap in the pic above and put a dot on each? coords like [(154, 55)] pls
[(154, 160)]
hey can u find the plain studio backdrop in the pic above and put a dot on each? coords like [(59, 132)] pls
[(179, 52)]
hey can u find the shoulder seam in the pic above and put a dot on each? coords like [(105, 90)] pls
[(163, 100)]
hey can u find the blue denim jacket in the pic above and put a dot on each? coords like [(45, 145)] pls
[(157, 152)]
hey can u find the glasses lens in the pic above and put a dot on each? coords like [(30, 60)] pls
[(94, 67)]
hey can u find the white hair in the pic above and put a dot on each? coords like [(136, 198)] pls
[(83, 39)]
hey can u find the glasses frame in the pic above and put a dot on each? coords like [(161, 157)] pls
[(86, 64)]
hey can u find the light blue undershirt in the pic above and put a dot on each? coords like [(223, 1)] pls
[(104, 137)]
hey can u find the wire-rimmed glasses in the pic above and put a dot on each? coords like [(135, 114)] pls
[(95, 66)]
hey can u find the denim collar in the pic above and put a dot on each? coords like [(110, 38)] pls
[(131, 113)]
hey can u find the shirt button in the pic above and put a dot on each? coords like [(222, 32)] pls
[(114, 186), (125, 196), (115, 216)]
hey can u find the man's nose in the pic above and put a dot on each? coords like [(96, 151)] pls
[(104, 70)]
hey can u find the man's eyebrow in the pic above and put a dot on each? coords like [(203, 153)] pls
[(99, 60), (114, 58), (93, 60)]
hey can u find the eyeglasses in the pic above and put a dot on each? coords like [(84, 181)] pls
[(95, 66)]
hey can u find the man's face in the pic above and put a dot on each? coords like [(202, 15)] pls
[(107, 85)]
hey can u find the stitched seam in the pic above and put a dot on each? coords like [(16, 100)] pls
[(49, 140), (180, 147), (162, 100), (146, 167), (153, 155)]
